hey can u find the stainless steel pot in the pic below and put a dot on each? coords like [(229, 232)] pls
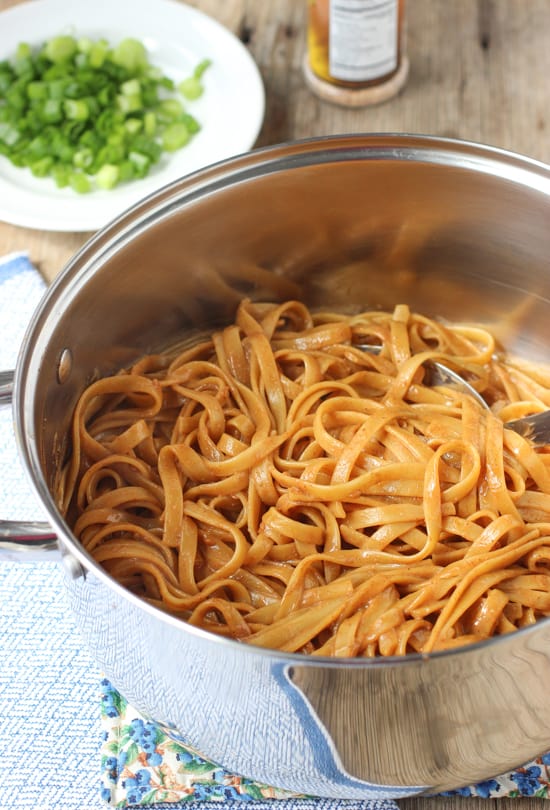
[(456, 230)]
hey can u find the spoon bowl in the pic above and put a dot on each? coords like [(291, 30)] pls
[(534, 427)]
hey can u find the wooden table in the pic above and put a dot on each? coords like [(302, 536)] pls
[(479, 71)]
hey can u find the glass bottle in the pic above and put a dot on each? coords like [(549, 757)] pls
[(356, 50)]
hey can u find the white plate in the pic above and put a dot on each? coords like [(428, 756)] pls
[(177, 37)]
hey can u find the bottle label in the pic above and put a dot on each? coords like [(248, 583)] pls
[(363, 39)]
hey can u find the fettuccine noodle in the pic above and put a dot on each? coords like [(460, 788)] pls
[(293, 482)]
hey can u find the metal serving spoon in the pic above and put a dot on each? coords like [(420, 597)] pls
[(535, 427)]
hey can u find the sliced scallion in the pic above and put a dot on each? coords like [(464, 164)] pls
[(89, 114)]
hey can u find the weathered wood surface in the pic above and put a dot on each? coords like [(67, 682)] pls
[(479, 71)]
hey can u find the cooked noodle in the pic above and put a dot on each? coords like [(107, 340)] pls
[(294, 482)]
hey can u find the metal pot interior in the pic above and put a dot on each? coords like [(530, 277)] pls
[(458, 232)]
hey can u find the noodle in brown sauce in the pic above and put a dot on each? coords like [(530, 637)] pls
[(278, 484)]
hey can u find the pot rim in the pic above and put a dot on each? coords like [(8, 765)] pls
[(162, 203)]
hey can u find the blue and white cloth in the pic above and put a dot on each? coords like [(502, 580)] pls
[(49, 722), (21, 288), (68, 740), (49, 718)]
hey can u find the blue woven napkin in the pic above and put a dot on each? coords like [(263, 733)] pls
[(21, 288), (68, 739)]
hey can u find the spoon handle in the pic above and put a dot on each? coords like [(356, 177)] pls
[(536, 427)]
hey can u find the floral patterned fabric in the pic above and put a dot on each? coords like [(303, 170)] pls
[(141, 766)]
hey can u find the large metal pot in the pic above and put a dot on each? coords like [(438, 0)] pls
[(456, 230)]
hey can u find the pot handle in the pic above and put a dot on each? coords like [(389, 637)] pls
[(24, 540), (6, 386)]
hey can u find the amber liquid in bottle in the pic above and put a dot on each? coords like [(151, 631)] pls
[(356, 45)]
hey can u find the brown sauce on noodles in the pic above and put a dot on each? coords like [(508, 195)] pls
[(279, 485)]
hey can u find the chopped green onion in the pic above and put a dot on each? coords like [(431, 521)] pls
[(150, 123), (23, 51), (130, 88), (98, 53), (192, 87), (201, 67), (169, 110), (191, 123), (51, 111), (140, 163), (90, 115), (37, 90), (107, 177), (56, 88), (126, 171), (9, 134), (85, 45), (175, 136), (61, 175), (76, 110), (130, 54), (80, 183), (60, 49), (41, 167), (129, 104), (133, 125), (83, 159)]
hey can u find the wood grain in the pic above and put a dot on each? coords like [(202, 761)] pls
[(479, 71)]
